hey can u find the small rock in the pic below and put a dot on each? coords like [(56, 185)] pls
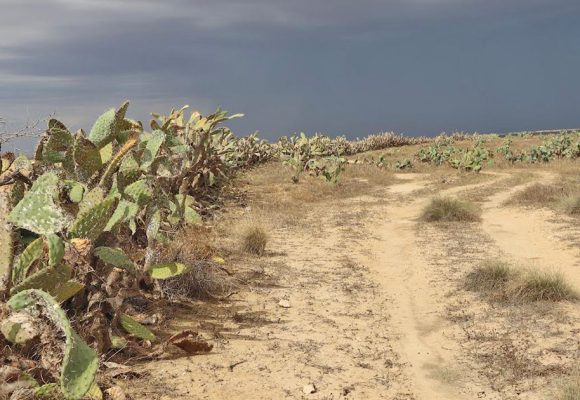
[(284, 303), (309, 389), (116, 393)]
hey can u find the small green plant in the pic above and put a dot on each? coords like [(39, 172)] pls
[(254, 240), (404, 164), (446, 209)]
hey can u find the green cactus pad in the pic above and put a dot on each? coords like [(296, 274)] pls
[(66, 290), (92, 222), (140, 192), (152, 148), (91, 199), (57, 141), (80, 362), (55, 249), (47, 279), (166, 270), (6, 239), (114, 257), (108, 125), (31, 253), (125, 211), (17, 192), (37, 210), (86, 158), (56, 124), (76, 191), (106, 153), (135, 328)]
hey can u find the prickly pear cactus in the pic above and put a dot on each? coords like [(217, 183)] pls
[(92, 222), (135, 328), (114, 257), (37, 210), (152, 148), (31, 253), (47, 279), (57, 141), (80, 362), (139, 191), (108, 125), (55, 250), (85, 159), (6, 244)]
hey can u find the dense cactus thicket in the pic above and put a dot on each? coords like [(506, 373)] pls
[(80, 225)]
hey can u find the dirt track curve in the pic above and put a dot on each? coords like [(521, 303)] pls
[(374, 300)]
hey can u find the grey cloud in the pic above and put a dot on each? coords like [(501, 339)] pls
[(354, 67)]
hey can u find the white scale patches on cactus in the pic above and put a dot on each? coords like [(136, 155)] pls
[(37, 211)]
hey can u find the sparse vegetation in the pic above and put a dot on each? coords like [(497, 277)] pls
[(570, 204), (254, 240), (447, 209), (570, 388), (502, 281), (102, 226), (539, 194)]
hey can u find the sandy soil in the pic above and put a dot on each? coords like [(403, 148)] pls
[(363, 301)]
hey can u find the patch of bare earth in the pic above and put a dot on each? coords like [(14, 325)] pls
[(357, 298)]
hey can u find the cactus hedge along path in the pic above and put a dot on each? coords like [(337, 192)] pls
[(361, 300)]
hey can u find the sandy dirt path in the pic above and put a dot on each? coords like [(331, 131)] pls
[(365, 307), (531, 236)]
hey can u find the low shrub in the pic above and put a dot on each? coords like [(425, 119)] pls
[(446, 209)]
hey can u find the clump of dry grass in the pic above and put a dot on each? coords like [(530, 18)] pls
[(570, 388), (501, 281), (205, 278), (570, 204), (490, 276), (447, 209), (539, 194), (254, 240)]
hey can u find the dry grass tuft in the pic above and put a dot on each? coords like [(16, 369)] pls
[(254, 240), (446, 209), (539, 194), (504, 282), (570, 204), (205, 279), (490, 276), (536, 285), (570, 388)]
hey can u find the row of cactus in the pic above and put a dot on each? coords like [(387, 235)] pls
[(318, 155), (69, 215), (443, 152)]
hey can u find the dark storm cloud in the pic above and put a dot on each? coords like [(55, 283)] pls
[(343, 67)]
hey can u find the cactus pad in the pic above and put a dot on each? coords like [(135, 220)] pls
[(166, 270), (92, 222), (37, 210), (135, 328), (80, 362), (152, 148), (6, 250), (108, 125), (55, 249), (114, 257), (31, 253)]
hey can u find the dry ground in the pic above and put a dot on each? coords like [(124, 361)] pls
[(357, 298)]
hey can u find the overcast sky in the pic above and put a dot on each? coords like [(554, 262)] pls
[(350, 67)]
